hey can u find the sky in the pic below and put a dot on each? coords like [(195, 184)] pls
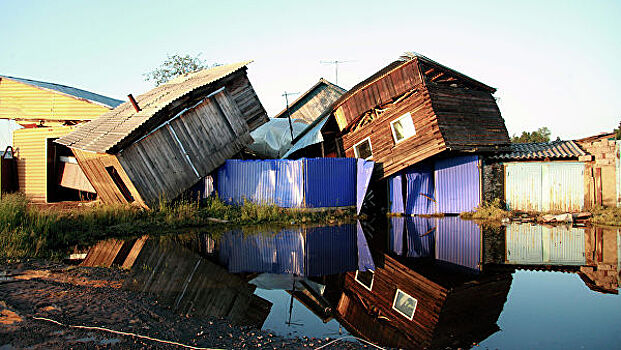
[(554, 63)]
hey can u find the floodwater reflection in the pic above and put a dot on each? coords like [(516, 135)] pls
[(410, 282)]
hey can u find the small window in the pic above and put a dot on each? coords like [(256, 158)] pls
[(363, 149), (365, 278), (404, 304), (402, 127)]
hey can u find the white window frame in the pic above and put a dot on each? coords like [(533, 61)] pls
[(394, 301), (364, 285), (370, 147), (392, 128)]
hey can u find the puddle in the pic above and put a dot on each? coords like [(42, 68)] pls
[(408, 282)]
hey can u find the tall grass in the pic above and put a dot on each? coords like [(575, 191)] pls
[(28, 230), (488, 211)]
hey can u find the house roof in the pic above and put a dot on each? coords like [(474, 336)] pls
[(104, 133), (70, 91), (603, 135), (403, 59), (303, 96), (541, 150)]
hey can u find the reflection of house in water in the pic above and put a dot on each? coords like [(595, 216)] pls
[(401, 306), (190, 284), (591, 252)]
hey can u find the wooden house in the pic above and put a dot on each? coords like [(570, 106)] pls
[(413, 109), (314, 102), (47, 111), (400, 306), (167, 139)]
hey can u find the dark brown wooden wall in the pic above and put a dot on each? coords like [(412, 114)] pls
[(210, 133), (394, 157), (393, 275), (94, 167), (468, 119)]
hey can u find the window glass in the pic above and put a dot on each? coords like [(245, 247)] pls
[(363, 149), (402, 127), (404, 304), (365, 278)]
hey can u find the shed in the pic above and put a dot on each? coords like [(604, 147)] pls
[(603, 185), (540, 176), (413, 109), (48, 111), (172, 137), (314, 102)]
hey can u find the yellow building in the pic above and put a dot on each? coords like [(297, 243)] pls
[(48, 171)]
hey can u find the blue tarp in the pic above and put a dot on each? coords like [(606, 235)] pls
[(311, 183)]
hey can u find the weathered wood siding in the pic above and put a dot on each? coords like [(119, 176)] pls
[(393, 157), (313, 104), (246, 99), (210, 133), (31, 150), (94, 166), (468, 119), (19, 100), (392, 276)]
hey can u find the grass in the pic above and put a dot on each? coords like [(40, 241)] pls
[(488, 211), (609, 216), (30, 231)]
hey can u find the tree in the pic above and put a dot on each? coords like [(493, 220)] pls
[(175, 66), (618, 132), (540, 135)]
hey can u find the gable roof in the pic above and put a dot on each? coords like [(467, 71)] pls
[(69, 91), (302, 97), (542, 150), (104, 133)]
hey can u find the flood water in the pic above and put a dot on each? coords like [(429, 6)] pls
[(407, 282)]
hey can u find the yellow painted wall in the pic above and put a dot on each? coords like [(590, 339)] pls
[(31, 150), (19, 100)]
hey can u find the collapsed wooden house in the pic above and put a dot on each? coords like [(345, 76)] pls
[(47, 171), (411, 110), (160, 144)]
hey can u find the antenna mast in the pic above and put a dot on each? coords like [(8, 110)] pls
[(286, 95), (336, 68)]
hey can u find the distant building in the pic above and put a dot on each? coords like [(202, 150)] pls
[(314, 102), (47, 171), (169, 138)]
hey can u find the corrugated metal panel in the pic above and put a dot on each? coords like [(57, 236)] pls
[(253, 180), (289, 183), (458, 185), (563, 186), (535, 245), (459, 242), (420, 189), (31, 152), (330, 182), (397, 224), (421, 236), (363, 179), (25, 101), (331, 250), (395, 193), (523, 186), (544, 186)]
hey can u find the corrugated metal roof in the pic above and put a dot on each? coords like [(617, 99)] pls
[(71, 91), (101, 134), (542, 150)]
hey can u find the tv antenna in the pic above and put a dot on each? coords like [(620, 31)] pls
[(336, 68), (286, 95)]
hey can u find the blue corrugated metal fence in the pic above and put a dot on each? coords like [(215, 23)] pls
[(311, 183)]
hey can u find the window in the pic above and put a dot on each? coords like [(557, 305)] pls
[(365, 278), (402, 127), (404, 304), (363, 149)]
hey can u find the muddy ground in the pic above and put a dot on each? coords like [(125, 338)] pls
[(93, 297)]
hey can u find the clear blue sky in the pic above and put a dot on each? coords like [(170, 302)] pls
[(554, 63)]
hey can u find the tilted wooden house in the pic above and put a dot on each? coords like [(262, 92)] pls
[(48, 171), (314, 102), (416, 108), (172, 136)]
